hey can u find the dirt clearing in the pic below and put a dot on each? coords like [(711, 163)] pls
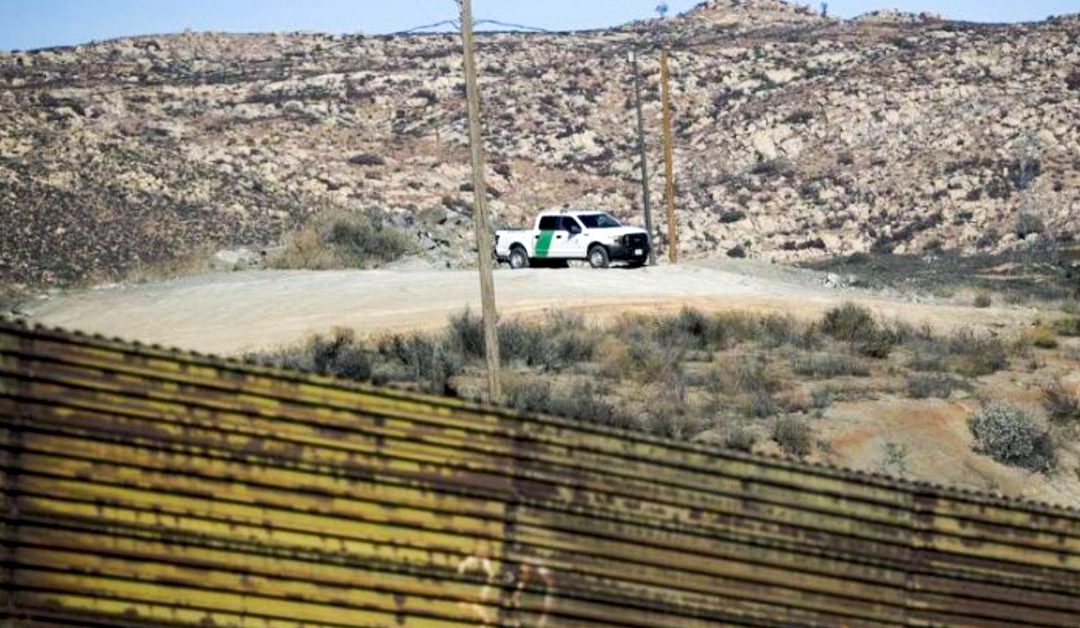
[(231, 313)]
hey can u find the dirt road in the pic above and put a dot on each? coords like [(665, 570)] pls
[(229, 313)]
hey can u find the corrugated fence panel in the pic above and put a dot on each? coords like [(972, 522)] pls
[(152, 487)]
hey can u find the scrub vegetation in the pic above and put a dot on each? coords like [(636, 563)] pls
[(341, 239), (751, 382)]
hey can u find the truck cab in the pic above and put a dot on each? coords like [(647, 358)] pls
[(558, 237)]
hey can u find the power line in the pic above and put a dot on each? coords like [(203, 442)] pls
[(455, 24), (424, 27), (522, 27)]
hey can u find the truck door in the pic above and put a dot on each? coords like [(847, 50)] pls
[(566, 239), (545, 238), (575, 243)]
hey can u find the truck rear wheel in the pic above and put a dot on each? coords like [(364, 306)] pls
[(518, 258), (598, 257)]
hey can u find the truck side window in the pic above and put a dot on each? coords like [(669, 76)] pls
[(549, 223), (571, 225)]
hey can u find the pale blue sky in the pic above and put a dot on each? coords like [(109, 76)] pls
[(27, 24)]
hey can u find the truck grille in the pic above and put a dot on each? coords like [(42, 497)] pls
[(636, 240)]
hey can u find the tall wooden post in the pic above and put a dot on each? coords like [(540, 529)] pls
[(483, 233), (669, 166), (644, 158)]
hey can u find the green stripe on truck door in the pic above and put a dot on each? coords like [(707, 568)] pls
[(543, 245)]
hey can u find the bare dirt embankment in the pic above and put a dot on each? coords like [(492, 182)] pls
[(232, 313)]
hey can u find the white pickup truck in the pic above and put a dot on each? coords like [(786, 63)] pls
[(558, 237)]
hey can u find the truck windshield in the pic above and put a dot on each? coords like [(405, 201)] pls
[(599, 221)]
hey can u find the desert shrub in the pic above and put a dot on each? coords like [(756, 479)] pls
[(466, 335), (570, 339), (931, 386), (729, 328), (928, 356), (367, 159), (779, 167), (740, 439), (306, 249), (777, 330), (528, 394), (983, 300), (848, 322), (821, 399), (976, 355), (1061, 404), (801, 116), (1072, 81), (667, 415), (857, 326), (562, 340), (341, 239), (1011, 436), (689, 328), (760, 403), (877, 345), (519, 342), (750, 378), (732, 216), (794, 435), (893, 459), (742, 375), (429, 362), (337, 354), (366, 238), (826, 366), (1029, 224), (1067, 326), (1042, 337), (586, 403)]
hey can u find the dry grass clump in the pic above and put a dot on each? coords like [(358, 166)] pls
[(975, 355), (748, 383), (983, 300), (584, 401), (1069, 327), (857, 326), (1042, 337), (827, 365), (1061, 404), (794, 435), (932, 385), (341, 239), (561, 340)]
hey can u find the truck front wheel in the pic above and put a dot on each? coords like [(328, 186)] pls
[(518, 258), (598, 257)]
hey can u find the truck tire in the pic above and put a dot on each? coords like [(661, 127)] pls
[(598, 256), (518, 258)]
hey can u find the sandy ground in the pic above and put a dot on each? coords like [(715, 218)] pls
[(230, 313)]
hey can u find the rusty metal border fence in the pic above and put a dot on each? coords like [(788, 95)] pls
[(144, 486)]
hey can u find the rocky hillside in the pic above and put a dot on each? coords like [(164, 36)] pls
[(797, 136)]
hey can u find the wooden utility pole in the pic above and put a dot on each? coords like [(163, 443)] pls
[(483, 234), (669, 166), (644, 158)]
